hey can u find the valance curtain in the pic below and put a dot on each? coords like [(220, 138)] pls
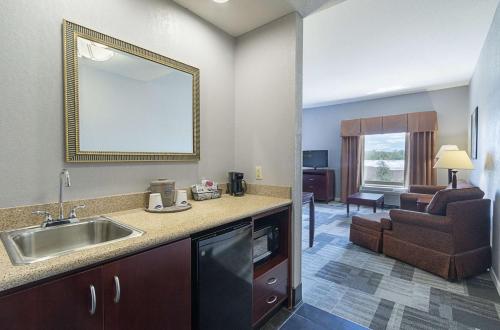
[(350, 180), (422, 128), (406, 123)]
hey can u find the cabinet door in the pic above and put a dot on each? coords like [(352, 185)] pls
[(150, 290), (315, 184), (61, 304)]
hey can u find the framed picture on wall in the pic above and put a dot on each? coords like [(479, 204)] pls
[(474, 133)]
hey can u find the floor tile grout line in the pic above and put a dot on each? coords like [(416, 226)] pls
[(294, 311)]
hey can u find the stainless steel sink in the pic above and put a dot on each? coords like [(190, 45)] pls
[(33, 244)]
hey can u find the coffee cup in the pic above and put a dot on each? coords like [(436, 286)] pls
[(155, 202), (181, 198)]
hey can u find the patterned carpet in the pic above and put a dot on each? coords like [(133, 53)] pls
[(382, 293)]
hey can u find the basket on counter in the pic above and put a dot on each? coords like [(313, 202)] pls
[(205, 195)]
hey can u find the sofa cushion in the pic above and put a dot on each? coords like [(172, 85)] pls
[(372, 221), (442, 198)]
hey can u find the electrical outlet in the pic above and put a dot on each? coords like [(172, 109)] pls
[(258, 172)]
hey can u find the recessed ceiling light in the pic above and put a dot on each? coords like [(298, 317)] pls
[(386, 90), (220, 1)]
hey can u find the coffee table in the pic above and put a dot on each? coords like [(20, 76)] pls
[(367, 199)]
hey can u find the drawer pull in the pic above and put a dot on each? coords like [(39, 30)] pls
[(117, 290), (272, 281), (271, 300), (93, 302)]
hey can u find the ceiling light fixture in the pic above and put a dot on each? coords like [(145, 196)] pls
[(93, 50), (220, 1), (386, 90)]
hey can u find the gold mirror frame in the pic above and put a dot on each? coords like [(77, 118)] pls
[(71, 103)]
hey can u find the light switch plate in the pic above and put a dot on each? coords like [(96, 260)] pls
[(258, 172)]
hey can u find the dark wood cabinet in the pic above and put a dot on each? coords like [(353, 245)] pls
[(60, 304), (270, 290), (150, 290), (154, 293), (147, 290), (319, 182), (272, 281)]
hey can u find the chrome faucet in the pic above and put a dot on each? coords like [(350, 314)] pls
[(64, 181)]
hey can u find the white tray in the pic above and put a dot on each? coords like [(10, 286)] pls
[(170, 209)]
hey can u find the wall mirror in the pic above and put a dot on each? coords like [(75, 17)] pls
[(125, 103)]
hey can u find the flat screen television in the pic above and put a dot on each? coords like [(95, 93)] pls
[(315, 158)]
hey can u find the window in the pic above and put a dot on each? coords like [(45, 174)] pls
[(384, 161)]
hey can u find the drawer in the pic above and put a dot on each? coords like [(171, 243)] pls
[(269, 290), (313, 179), (319, 192)]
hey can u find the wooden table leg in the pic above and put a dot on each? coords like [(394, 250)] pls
[(311, 222), (375, 207), (347, 208)]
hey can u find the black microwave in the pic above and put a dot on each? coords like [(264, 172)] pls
[(266, 242)]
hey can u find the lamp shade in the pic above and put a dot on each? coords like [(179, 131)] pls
[(445, 147), (454, 159)]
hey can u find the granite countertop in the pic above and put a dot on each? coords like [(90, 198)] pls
[(158, 228)]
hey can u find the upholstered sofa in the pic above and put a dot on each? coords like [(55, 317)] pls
[(451, 239)]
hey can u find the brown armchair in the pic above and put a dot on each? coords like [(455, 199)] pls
[(408, 200), (453, 243)]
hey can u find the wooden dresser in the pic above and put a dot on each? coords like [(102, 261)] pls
[(321, 183)]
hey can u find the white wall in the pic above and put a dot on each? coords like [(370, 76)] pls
[(321, 126), (485, 94), (31, 94), (268, 71)]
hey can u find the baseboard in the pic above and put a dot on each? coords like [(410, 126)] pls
[(494, 277), (297, 295)]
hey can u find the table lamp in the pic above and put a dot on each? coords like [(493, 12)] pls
[(454, 160), (444, 148)]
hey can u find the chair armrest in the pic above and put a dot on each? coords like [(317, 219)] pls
[(408, 201), (425, 189), (435, 222), (412, 196)]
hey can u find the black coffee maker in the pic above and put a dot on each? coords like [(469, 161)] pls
[(236, 186)]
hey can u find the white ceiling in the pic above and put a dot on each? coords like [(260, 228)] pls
[(365, 49), (237, 17)]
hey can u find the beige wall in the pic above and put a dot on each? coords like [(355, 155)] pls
[(268, 71), (31, 94), (321, 126)]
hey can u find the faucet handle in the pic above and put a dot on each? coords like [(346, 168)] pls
[(47, 215), (72, 213)]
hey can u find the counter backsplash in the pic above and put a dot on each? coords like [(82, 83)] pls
[(19, 217)]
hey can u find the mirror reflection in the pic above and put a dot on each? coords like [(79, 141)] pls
[(130, 104)]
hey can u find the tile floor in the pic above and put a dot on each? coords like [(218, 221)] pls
[(346, 286)]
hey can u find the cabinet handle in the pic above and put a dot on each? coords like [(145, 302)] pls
[(271, 300), (118, 292), (272, 280), (93, 302)]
